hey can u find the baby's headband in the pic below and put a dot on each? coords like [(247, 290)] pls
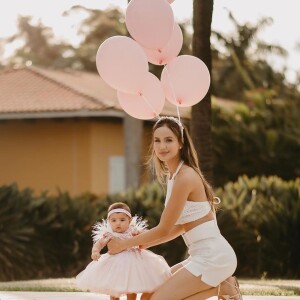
[(177, 121), (119, 210)]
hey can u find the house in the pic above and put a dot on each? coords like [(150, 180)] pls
[(63, 130)]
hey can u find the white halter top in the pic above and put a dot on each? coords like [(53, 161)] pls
[(192, 210)]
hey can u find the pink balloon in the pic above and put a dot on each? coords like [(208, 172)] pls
[(185, 80), (169, 51), (150, 22), (121, 63), (148, 102)]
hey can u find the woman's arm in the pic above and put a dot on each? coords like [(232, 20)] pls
[(181, 190), (174, 233)]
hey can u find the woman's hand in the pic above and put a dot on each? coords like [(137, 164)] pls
[(116, 245), (143, 247)]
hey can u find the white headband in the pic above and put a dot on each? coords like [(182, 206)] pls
[(119, 210), (177, 121)]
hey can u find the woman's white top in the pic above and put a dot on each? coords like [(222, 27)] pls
[(192, 210)]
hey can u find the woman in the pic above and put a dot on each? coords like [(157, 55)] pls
[(190, 212)]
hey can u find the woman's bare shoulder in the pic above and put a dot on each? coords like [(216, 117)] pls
[(188, 175)]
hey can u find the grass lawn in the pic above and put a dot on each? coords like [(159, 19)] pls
[(275, 287)]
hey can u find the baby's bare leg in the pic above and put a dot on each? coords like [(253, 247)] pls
[(146, 296), (131, 296)]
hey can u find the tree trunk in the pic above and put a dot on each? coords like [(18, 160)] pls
[(201, 112)]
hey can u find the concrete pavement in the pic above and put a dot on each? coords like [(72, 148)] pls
[(91, 296)]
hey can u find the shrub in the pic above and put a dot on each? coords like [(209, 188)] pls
[(256, 141), (50, 236), (261, 220)]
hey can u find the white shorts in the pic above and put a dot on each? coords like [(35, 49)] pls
[(211, 256)]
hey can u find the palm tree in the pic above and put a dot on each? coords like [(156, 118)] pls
[(244, 66), (201, 112)]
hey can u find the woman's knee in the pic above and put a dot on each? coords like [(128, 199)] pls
[(179, 286)]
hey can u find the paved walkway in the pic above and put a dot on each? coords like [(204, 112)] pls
[(90, 296)]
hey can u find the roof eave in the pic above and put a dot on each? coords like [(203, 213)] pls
[(62, 114)]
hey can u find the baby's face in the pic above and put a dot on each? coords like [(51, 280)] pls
[(119, 222)]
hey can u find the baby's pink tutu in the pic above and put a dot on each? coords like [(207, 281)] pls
[(131, 271)]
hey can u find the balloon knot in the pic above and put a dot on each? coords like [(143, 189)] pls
[(159, 50), (140, 93), (179, 101)]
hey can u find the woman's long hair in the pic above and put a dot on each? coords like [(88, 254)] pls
[(187, 153)]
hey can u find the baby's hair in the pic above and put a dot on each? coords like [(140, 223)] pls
[(119, 205)]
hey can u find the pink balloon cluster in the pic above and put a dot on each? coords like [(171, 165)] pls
[(122, 62)]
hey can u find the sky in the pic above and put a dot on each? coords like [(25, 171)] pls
[(284, 31)]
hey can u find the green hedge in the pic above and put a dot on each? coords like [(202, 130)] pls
[(42, 236), (260, 217), (46, 236), (261, 140)]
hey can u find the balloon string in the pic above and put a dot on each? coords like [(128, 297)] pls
[(149, 104), (178, 114), (173, 92)]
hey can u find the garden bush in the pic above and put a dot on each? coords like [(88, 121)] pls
[(50, 236)]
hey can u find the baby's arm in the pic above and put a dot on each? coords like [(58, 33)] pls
[(98, 246)]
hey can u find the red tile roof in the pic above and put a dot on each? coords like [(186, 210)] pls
[(35, 90)]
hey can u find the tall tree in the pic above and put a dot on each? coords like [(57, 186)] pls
[(244, 65), (94, 29), (201, 112), (39, 46)]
